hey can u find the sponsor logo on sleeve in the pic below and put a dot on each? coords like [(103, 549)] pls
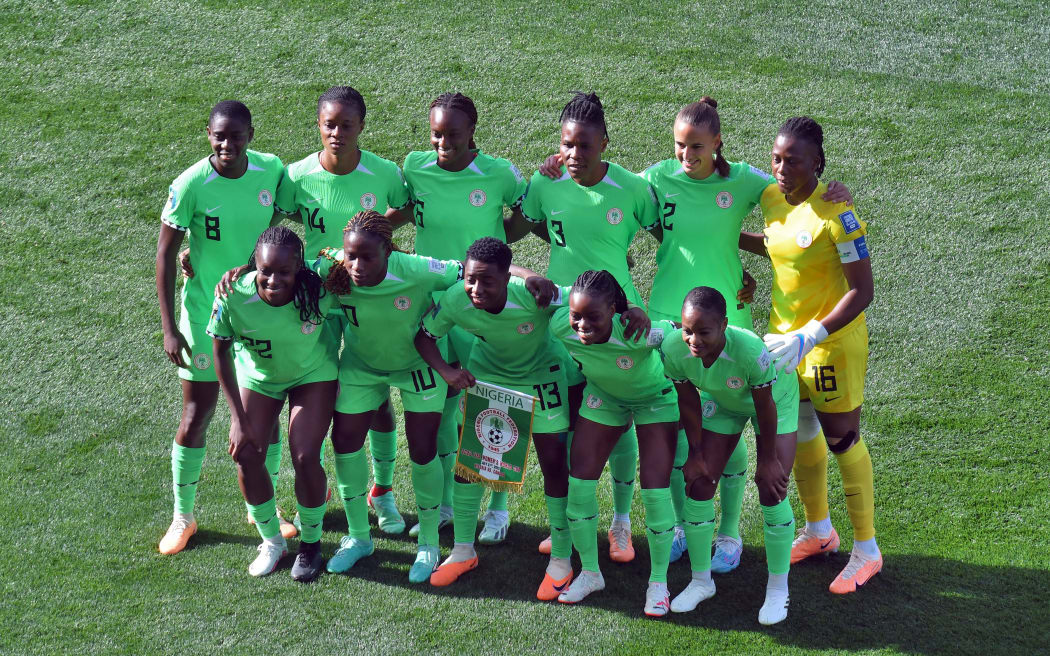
[(517, 174), (724, 199), (368, 201), (760, 173), (764, 359), (804, 238), (477, 198), (265, 198), (849, 221), (171, 198), (437, 266), (656, 337), (614, 216)]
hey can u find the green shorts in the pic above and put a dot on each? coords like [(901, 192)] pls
[(546, 384), (328, 370), (362, 389), (201, 364), (785, 395), (604, 408)]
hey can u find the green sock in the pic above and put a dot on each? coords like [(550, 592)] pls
[(731, 491), (186, 466), (466, 500), (681, 452), (779, 530), (561, 538), (426, 482), (448, 445), (498, 501), (310, 520), (273, 462), (581, 510), (659, 523), (265, 517), (699, 528), (623, 463), (384, 454), (351, 475)]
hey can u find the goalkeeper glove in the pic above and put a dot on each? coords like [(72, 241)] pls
[(790, 349)]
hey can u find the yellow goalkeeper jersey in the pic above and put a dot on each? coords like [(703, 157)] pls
[(807, 245)]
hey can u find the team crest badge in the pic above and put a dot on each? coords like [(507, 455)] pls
[(496, 430), (265, 198), (402, 302), (308, 327), (708, 409), (724, 199), (614, 216), (593, 402), (624, 362), (525, 328), (734, 383), (202, 361), (804, 238), (477, 198), (368, 201)]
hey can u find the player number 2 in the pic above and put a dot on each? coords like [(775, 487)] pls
[(211, 227), (557, 233), (824, 378), (668, 213), (548, 395)]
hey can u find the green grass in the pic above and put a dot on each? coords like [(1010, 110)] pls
[(935, 117)]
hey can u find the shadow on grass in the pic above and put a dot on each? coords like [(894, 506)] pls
[(917, 604)]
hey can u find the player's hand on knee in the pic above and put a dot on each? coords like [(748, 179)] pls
[(174, 344), (772, 481), (184, 263), (695, 469), (241, 440)]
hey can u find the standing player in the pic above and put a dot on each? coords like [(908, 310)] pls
[(224, 201), (458, 196), (514, 350), (274, 314), (625, 383), (590, 215), (705, 201), (821, 285), (323, 191), (384, 294), (738, 383)]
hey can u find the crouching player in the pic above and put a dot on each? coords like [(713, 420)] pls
[(274, 314), (625, 382), (510, 317), (384, 294), (738, 382)]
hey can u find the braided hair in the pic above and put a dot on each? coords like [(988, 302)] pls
[(307, 283), (707, 299), (601, 284), (370, 221), (344, 96), (490, 251), (803, 127), (460, 103), (585, 108), (704, 114), (234, 109)]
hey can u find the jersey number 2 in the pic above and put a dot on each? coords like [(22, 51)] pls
[(668, 213)]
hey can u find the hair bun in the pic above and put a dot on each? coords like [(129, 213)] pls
[(708, 100)]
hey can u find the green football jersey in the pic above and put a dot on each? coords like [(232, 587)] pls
[(272, 344), (591, 227), (224, 217), (382, 321), (701, 231), (327, 201), (744, 364), (629, 370), (453, 209), (514, 342)]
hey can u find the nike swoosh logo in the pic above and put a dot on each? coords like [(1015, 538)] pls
[(654, 408), (671, 195), (427, 398), (557, 212), (313, 200), (825, 545), (554, 416), (212, 209), (561, 587), (253, 330), (832, 398), (422, 193)]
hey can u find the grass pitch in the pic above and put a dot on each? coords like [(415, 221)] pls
[(934, 115)]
